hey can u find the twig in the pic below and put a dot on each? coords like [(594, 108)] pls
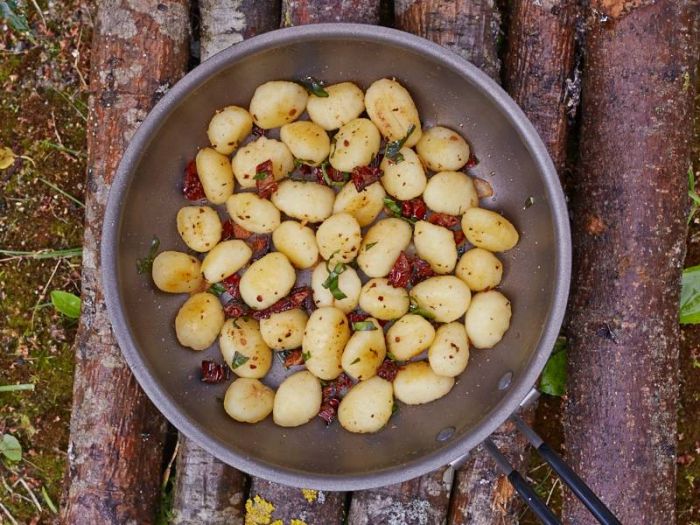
[(43, 294), (9, 516), (62, 192), (17, 388), (41, 14), (72, 103), (554, 485), (31, 494), (41, 254), (77, 59)]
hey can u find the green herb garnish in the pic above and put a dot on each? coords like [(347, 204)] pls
[(238, 360), (145, 264), (391, 356), (314, 86), (394, 408), (394, 147), (357, 360), (216, 289), (298, 163), (370, 245), (331, 282), (395, 209), (363, 326), (418, 310), (328, 180), (553, 380), (306, 356), (261, 175)]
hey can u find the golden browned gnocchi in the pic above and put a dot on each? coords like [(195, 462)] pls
[(297, 242), (247, 159), (243, 348), (253, 213), (381, 300), (345, 102), (367, 407), (325, 336), (489, 230), (404, 179), (448, 355), (348, 283), (228, 127), (391, 108), (305, 201), (488, 318), (436, 245), (480, 269), (277, 102), (382, 245), (199, 320), (409, 336), (247, 400), (365, 351), (307, 141), (355, 144), (450, 192), (267, 280), (445, 297), (416, 383), (177, 272), (284, 330), (339, 238), (225, 259), (442, 149), (215, 174), (199, 227), (364, 205), (298, 400)]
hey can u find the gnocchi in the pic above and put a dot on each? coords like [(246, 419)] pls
[(383, 243), (267, 280), (364, 205), (277, 103), (345, 102), (225, 259), (284, 330), (247, 159), (198, 321), (305, 201), (247, 400), (216, 175), (365, 351), (199, 227), (324, 339), (367, 407), (442, 149), (488, 318), (383, 301), (348, 283), (480, 269), (391, 108), (298, 400), (448, 354), (307, 141), (253, 213), (297, 242), (409, 336), (227, 129), (406, 179), (436, 245), (177, 272), (243, 348), (450, 192), (489, 230), (355, 144), (339, 238), (445, 297), (416, 383)]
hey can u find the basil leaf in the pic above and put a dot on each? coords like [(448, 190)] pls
[(394, 408), (363, 326), (395, 209), (216, 289), (416, 309), (238, 360), (66, 303), (306, 356), (298, 163), (690, 296), (328, 180), (553, 379), (314, 86), (369, 246), (394, 147), (391, 356), (10, 448), (145, 264), (331, 282), (357, 360)]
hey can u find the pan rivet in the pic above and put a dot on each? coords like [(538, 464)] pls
[(445, 434), (504, 382)]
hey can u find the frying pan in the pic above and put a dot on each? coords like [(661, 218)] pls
[(146, 196)]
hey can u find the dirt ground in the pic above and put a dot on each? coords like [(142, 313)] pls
[(43, 97)]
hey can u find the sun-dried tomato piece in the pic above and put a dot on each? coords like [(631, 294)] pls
[(227, 230), (235, 309), (260, 243), (459, 237), (293, 358), (258, 131), (414, 208), (192, 187), (388, 370), (473, 161), (400, 273), (332, 175), (363, 176), (443, 219), (421, 270), (329, 410), (231, 285), (338, 387), (357, 317), (213, 372), (295, 299), (265, 179)]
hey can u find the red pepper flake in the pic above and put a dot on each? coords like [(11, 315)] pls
[(459, 237), (258, 131), (400, 273), (192, 187), (329, 409), (363, 176), (473, 161), (388, 370), (443, 219), (213, 372), (231, 285), (260, 243), (265, 179), (293, 358), (235, 309), (414, 209), (295, 299)]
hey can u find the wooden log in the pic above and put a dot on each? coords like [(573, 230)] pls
[(227, 22), (269, 500), (470, 28), (629, 211), (115, 453), (299, 12), (538, 68)]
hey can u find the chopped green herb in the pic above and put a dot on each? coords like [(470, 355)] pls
[(370, 245), (66, 303), (331, 283), (395, 209), (10, 448), (260, 175), (238, 360), (145, 264), (363, 326), (314, 86), (328, 180), (529, 201), (298, 163), (553, 380), (306, 356), (391, 356), (394, 408), (234, 322), (393, 148), (690, 296), (357, 360), (418, 310), (216, 289)]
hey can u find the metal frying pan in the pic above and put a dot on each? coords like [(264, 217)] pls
[(146, 196)]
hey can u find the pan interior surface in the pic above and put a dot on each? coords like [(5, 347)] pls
[(448, 92)]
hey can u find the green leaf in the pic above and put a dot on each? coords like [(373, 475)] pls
[(216, 289), (10, 448), (369, 246), (357, 360), (306, 356), (314, 86), (328, 180), (418, 310), (145, 264), (394, 408), (395, 209), (49, 502), (363, 326), (67, 303), (16, 21), (238, 360), (694, 197), (16, 388), (331, 282), (690, 296), (391, 356), (553, 380), (392, 148)]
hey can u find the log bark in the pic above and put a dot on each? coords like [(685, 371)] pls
[(538, 68), (470, 28), (115, 453), (269, 500), (629, 210), (227, 22), (299, 12)]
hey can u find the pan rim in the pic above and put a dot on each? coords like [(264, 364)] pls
[(166, 404)]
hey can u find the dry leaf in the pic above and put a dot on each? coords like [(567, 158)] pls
[(7, 158)]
